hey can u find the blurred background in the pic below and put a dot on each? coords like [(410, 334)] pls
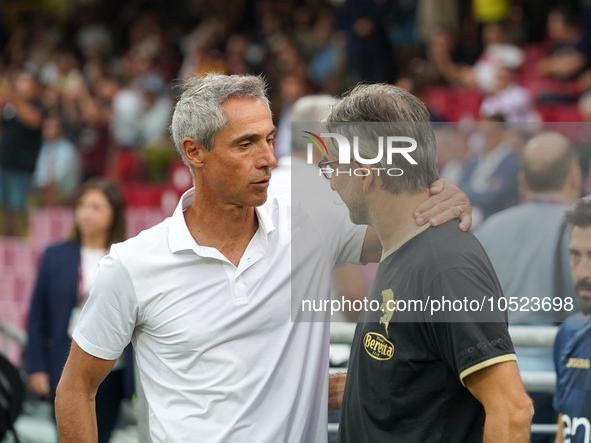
[(87, 90)]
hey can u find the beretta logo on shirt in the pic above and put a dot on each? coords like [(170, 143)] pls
[(377, 346)]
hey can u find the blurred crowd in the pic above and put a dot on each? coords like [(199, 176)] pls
[(87, 89)]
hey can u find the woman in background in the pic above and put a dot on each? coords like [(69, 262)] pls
[(65, 273)]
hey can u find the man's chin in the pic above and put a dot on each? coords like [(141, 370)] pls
[(356, 218), (260, 200)]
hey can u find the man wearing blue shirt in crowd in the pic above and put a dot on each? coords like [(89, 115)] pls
[(572, 349)]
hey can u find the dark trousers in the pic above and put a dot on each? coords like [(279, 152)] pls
[(108, 399)]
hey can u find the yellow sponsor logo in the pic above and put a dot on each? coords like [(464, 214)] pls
[(578, 363), (377, 346)]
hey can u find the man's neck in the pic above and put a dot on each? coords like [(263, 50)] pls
[(225, 227), (392, 217), (563, 194)]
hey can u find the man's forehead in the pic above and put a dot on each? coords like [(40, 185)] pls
[(580, 238), (247, 110)]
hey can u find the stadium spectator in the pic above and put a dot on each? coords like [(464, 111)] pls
[(65, 273), (327, 64), (151, 289), (508, 99), (95, 139), (443, 59), (406, 368), (572, 347), (538, 251), (370, 55), (569, 53), (156, 113), (141, 115), (153, 141), (93, 35), (58, 172), (498, 52), (292, 89), (490, 180), (432, 15), (528, 246), (455, 69), (452, 151), (22, 117), (200, 54)]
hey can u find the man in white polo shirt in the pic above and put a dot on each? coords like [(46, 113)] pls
[(205, 296)]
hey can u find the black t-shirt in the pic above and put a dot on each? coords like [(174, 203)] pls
[(19, 144), (404, 381)]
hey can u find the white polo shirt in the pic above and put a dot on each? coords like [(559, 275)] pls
[(219, 357)]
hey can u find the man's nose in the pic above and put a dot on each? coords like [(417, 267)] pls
[(268, 159)]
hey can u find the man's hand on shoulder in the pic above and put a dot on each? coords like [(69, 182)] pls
[(447, 202)]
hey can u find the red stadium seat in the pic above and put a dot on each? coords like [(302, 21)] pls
[(560, 113), (442, 103), (468, 103)]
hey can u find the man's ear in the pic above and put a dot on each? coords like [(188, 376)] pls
[(194, 152), (370, 180)]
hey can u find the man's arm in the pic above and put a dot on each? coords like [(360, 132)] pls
[(28, 114), (75, 408), (336, 389), (508, 408), (562, 66), (447, 202), (560, 433)]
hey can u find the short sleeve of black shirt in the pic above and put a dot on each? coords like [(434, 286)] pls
[(467, 346)]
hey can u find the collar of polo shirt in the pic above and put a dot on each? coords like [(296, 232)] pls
[(180, 239)]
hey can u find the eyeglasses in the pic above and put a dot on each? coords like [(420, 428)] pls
[(326, 171)]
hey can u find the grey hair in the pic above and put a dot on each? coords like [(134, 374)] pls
[(309, 109), (407, 116), (198, 113)]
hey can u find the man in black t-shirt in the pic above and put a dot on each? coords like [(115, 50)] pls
[(20, 143), (431, 360)]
